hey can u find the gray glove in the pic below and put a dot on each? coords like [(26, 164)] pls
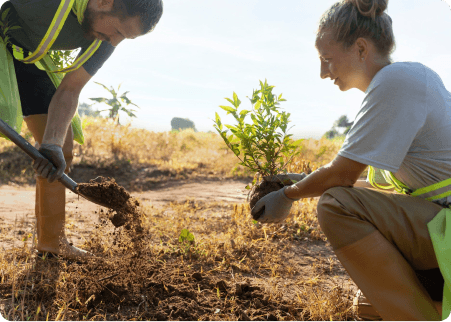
[(53, 156), (276, 207), (285, 178)]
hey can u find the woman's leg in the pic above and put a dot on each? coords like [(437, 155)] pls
[(381, 239)]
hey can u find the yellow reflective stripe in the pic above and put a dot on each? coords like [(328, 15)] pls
[(398, 185), (82, 59), (371, 174), (52, 33), (432, 187), (440, 196)]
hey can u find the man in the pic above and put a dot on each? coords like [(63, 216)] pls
[(47, 110)]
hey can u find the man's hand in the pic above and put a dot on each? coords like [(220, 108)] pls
[(53, 156), (276, 207)]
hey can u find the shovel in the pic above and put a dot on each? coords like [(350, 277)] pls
[(34, 154)]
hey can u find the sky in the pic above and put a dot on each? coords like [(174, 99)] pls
[(202, 51)]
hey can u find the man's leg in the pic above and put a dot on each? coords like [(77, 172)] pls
[(50, 206), (381, 239)]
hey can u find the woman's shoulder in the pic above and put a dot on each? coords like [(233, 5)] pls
[(409, 74), (403, 70)]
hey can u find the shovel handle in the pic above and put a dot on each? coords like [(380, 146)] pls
[(11, 134)]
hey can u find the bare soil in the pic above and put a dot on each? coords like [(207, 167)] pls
[(129, 281)]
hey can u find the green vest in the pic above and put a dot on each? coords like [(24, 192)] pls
[(10, 108), (439, 231)]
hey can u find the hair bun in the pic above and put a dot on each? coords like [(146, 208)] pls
[(370, 8)]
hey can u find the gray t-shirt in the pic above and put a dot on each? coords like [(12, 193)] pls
[(404, 126), (34, 18)]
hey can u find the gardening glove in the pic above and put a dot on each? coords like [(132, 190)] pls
[(285, 178), (52, 156), (276, 207)]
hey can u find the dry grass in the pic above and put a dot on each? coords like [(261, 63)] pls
[(228, 246), (109, 145), (283, 261)]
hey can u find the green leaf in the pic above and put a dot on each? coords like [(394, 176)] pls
[(218, 121), (236, 101), (4, 14), (230, 101), (186, 236), (228, 109)]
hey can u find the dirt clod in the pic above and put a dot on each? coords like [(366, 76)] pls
[(260, 190), (107, 191)]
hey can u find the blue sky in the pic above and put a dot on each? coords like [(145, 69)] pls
[(204, 50)]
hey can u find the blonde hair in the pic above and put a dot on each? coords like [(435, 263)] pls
[(349, 20)]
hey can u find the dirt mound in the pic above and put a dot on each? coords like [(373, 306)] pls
[(150, 289)]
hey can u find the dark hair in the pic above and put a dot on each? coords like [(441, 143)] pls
[(349, 20), (149, 11)]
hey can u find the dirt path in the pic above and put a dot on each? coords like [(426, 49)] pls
[(17, 204)]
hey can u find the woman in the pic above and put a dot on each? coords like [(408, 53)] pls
[(404, 126)]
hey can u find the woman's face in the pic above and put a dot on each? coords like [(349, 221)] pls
[(343, 66)]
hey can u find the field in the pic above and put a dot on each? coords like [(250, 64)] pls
[(194, 252)]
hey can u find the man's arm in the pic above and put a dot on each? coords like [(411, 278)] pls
[(341, 172), (63, 106)]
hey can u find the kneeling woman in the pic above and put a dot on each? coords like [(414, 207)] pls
[(404, 128)]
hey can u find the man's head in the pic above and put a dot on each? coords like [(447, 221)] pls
[(115, 20)]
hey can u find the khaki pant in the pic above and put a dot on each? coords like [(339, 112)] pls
[(348, 216)]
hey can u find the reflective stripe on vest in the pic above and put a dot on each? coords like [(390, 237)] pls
[(433, 192), (52, 33)]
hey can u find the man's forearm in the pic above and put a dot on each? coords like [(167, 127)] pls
[(61, 111)]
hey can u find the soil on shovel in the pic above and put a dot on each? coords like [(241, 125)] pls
[(260, 190), (107, 191)]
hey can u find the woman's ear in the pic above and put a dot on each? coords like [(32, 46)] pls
[(362, 46)]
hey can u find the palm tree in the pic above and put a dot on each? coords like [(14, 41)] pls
[(117, 103)]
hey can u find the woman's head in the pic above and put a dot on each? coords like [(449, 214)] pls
[(357, 28)]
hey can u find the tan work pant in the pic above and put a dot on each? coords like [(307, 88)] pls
[(347, 215)]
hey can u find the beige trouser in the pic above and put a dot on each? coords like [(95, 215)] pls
[(382, 240)]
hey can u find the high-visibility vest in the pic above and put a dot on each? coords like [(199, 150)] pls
[(52, 33), (43, 61), (439, 229)]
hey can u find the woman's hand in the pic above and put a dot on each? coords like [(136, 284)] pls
[(272, 208)]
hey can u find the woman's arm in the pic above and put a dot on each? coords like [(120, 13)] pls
[(341, 172)]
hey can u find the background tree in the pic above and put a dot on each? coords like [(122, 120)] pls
[(118, 103), (342, 122), (178, 123), (87, 110)]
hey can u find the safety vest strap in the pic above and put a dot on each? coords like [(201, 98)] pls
[(52, 33), (433, 192)]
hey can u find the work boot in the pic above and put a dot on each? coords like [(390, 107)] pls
[(50, 208), (364, 309), (387, 279), (51, 218)]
